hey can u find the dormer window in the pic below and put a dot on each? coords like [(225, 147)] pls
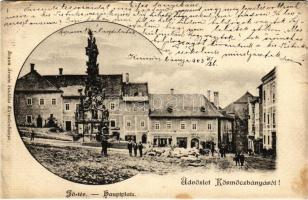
[(170, 109), (202, 109)]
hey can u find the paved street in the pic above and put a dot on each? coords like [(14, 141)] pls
[(84, 164)]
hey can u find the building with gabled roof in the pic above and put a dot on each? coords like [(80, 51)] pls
[(37, 101), (41, 97), (186, 120), (239, 110), (189, 120)]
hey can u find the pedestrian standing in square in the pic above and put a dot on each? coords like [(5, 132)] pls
[(32, 135), (213, 148), (135, 146), (104, 146), (242, 159), (130, 147), (237, 159), (140, 146)]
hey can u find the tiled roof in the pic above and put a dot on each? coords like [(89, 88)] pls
[(245, 98), (111, 82), (34, 82), (72, 90), (181, 105), (135, 89), (269, 75), (240, 106), (69, 84)]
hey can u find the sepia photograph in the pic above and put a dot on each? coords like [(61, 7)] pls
[(154, 99), (90, 115)]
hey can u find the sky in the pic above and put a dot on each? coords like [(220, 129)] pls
[(66, 49)]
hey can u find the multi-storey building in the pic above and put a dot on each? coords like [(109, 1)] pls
[(255, 143), (267, 92), (38, 99), (185, 120), (239, 110)]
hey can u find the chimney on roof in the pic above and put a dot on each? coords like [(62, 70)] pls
[(216, 99), (209, 95), (32, 67), (60, 71), (127, 78), (172, 91)]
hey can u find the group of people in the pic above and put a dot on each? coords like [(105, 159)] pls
[(132, 145), (222, 151), (239, 159)]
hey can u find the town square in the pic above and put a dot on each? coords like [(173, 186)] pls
[(98, 128)]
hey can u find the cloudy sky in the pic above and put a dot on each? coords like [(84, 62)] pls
[(66, 49)]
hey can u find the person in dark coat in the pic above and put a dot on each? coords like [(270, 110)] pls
[(221, 151), (140, 146), (213, 148), (237, 159), (32, 135), (224, 150), (104, 146), (130, 147), (242, 158), (135, 146)]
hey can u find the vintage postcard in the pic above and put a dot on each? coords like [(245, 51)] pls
[(154, 99)]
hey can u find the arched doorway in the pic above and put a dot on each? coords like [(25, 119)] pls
[(39, 122), (194, 143), (144, 138)]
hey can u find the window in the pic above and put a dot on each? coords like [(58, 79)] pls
[(128, 123), (112, 123), (264, 139), (157, 125), (29, 101), (67, 106), (264, 95), (209, 126), (53, 101), (183, 125), (112, 106), (274, 120), (142, 123), (42, 101), (168, 125), (194, 126), (273, 97), (264, 117), (29, 119), (268, 140), (268, 118)]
